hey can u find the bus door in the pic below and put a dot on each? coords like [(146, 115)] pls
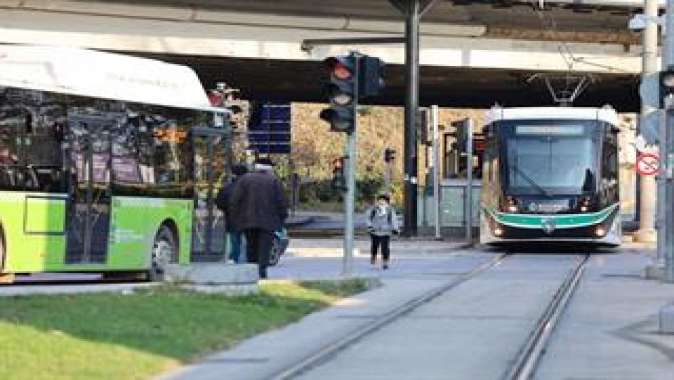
[(210, 147), (88, 162)]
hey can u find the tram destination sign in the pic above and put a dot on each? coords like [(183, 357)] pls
[(555, 130)]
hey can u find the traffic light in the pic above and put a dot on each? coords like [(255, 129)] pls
[(424, 126), (371, 76), (338, 180), (341, 91), (666, 85), (389, 155)]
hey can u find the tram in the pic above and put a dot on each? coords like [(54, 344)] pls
[(550, 174), (108, 163)]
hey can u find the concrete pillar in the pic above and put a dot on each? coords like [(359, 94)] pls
[(649, 105)]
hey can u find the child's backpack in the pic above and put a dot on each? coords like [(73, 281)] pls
[(389, 214)]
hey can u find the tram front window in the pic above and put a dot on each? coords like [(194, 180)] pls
[(550, 160)]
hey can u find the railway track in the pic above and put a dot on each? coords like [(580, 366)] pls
[(531, 351), (334, 348), (522, 366)]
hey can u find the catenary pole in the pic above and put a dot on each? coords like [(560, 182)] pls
[(469, 181), (435, 116), (411, 115), (669, 156), (661, 178)]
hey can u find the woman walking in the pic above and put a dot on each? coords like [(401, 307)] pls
[(381, 223)]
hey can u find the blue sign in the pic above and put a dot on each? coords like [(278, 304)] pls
[(269, 128)]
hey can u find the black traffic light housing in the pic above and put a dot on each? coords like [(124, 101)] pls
[(371, 76), (666, 84), (389, 155), (352, 77), (338, 179), (342, 91)]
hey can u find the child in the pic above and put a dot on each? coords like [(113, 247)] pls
[(381, 223)]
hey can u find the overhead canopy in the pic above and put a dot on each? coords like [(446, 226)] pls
[(101, 75)]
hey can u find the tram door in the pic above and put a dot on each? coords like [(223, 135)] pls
[(88, 162), (210, 167)]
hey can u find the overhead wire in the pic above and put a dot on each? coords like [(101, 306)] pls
[(549, 23)]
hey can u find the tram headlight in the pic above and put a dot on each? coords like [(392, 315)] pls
[(498, 231), (600, 231), (585, 204), (511, 205)]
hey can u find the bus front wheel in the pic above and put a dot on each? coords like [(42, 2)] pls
[(164, 251)]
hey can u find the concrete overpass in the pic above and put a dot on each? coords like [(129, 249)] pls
[(473, 53)]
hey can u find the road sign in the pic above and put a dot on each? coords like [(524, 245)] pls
[(269, 128), (648, 164)]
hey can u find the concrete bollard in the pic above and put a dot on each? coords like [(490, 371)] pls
[(666, 320), (239, 279)]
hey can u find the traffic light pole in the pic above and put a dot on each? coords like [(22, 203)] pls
[(649, 107), (350, 195)]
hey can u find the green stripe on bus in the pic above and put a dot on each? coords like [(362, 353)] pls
[(560, 221)]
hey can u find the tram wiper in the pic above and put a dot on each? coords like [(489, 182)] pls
[(531, 181)]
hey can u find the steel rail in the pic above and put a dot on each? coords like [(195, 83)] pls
[(529, 355), (349, 339)]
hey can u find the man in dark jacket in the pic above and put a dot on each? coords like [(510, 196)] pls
[(259, 205), (222, 201)]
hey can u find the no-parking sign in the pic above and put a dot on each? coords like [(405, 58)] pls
[(648, 164)]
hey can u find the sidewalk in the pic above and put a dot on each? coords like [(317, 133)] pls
[(610, 328), (333, 247)]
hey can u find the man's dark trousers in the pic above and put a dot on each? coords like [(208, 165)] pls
[(258, 249)]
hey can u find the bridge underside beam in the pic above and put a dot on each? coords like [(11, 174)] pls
[(460, 66), (293, 80)]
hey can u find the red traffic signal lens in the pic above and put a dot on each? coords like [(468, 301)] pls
[(341, 71)]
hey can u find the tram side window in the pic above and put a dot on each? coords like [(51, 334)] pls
[(610, 161)]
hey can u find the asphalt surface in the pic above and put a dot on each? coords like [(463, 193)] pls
[(475, 330)]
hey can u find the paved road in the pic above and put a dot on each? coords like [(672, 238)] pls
[(474, 330)]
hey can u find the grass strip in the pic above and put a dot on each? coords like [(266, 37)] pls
[(137, 335)]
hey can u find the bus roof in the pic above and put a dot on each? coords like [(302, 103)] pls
[(606, 114), (104, 75)]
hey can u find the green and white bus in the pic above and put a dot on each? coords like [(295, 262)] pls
[(108, 163)]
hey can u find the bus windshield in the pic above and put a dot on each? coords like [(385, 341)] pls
[(552, 158)]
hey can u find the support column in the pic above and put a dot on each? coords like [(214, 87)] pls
[(411, 114), (649, 109)]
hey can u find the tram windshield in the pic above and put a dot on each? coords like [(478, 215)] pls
[(550, 158)]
